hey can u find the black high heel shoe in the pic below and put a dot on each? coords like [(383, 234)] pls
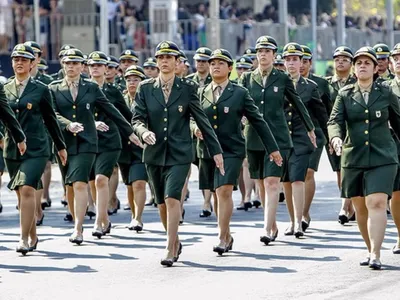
[(305, 225), (365, 262), (90, 214), (265, 239), (98, 233), (1, 208), (108, 229), (22, 248), (205, 213), (40, 222), (179, 252), (64, 202), (256, 203), (68, 218), (343, 219), (183, 217), (274, 236), (34, 246), (375, 264), (247, 205), (167, 262), (281, 197), (299, 234)]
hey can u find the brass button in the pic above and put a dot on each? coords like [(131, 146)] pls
[(96, 114), (165, 119), (262, 102), (75, 116), (17, 100), (215, 117), (165, 128), (74, 107), (262, 91), (129, 142), (165, 138), (165, 109), (17, 110), (215, 126), (214, 107), (366, 111), (367, 143), (289, 123), (366, 131), (367, 121), (290, 132), (74, 134), (290, 104), (290, 113)]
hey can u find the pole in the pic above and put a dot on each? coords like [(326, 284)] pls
[(389, 25), (314, 26), (37, 20), (104, 40), (283, 13), (215, 31), (341, 27)]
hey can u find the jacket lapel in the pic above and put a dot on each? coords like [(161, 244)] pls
[(374, 94), (175, 91), (226, 94), (157, 92), (358, 97), (395, 87), (208, 94), (64, 90), (272, 78), (256, 76), (82, 90), (29, 88), (301, 85), (11, 87)]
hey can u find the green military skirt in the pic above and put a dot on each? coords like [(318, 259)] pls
[(396, 185), (167, 181), (315, 158), (334, 160), (133, 172), (261, 167), (210, 178), (357, 182), (26, 172), (297, 168), (78, 167), (104, 164)]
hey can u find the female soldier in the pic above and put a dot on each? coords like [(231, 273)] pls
[(150, 68), (109, 143), (132, 168), (361, 116), (32, 104), (299, 159), (75, 100), (168, 153), (395, 201), (225, 104)]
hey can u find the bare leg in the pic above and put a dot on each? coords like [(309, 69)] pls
[(395, 209), (173, 217), (114, 180), (271, 185), (225, 210), (287, 187), (139, 192), (71, 200), (38, 200), (362, 219), (27, 209), (46, 179), (131, 203), (261, 188), (298, 203), (102, 196), (309, 194), (81, 200), (162, 210), (242, 187)]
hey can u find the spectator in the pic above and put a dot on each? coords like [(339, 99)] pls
[(6, 25), (200, 21)]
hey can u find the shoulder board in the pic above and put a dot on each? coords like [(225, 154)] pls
[(385, 83), (328, 78), (188, 81), (190, 76), (39, 82), (56, 82), (147, 81), (308, 80), (87, 80), (347, 87)]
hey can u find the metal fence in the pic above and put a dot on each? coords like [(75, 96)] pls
[(83, 31)]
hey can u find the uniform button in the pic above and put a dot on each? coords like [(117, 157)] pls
[(165, 138), (74, 107), (74, 134), (366, 121), (75, 116), (366, 131), (214, 107), (165, 119), (290, 132), (165, 109), (17, 100), (215, 126), (289, 123), (366, 111), (215, 117), (366, 143), (262, 102), (290, 113), (96, 114), (129, 142), (262, 91), (290, 104), (17, 110), (165, 128)]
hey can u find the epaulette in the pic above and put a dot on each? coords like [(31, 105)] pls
[(87, 80), (328, 78), (308, 80), (188, 81), (56, 82), (190, 76), (347, 87), (385, 84), (147, 81)]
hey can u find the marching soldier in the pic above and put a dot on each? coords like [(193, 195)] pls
[(225, 104), (75, 100), (279, 62), (32, 104), (302, 156), (395, 201), (133, 170), (126, 59), (168, 153), (269, 88), (112, 69), (252, 53), (150, 68), (324, 93), (43, 67), (243, 64), (383, 53), (60, 74), (342, 59), (359, 132)]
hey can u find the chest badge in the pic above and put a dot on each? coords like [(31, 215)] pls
[(87, 106), (180, 108), (275, 89), (378, 113), (29, 106), (226, 109)]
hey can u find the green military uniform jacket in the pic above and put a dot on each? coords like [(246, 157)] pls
[(82, 110), (324, 92), (270, 101), (225, 116), (308, 92), (46, 79), (334, 85), (61, 74), (392, 83), (386, 77), (170, 121), (120, 83), (111, 140), (34, 111), (8, 120), (365, 127), (196, 78)]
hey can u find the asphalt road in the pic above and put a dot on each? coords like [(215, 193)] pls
[(125, 265)]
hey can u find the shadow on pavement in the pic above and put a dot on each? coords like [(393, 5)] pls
[(31, 269)]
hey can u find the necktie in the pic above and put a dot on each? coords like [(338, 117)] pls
[(294, 83), (166, 91), (366, 96), (217, 93), (20, 89), (73, 87), (201, 82)]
